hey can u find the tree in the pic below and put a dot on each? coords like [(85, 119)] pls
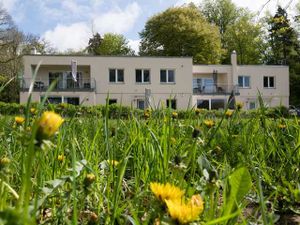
[(221, 13), (246, 38), (94, 44), (110, 44), (181, 31), (115, 44), (284, 45), (237, 29)]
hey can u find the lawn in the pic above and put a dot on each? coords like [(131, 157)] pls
[(158, 169)]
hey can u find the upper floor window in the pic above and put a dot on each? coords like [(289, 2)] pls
[(244, 81), (269, 82), (167, 76), (142, 76), (116, 75)]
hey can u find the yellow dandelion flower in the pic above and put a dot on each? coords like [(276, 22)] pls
[(61, 158), (89, 179), (48, 124), (19, 120), (166, 191), (146, 115), (33, 110), (113, 162), (198, 111), (4, 161), (185, 213), (282, 126), (209, 123), (229, 113), (174, 115), (196, 200), (239, 105)]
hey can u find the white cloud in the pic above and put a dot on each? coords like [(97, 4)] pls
[(8, 4), (117, 20), (64, 37), (134, 44), (182, 2)]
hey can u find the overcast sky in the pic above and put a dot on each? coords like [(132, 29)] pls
[(68, 24)]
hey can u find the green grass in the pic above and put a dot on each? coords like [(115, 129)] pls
[(36, 186)]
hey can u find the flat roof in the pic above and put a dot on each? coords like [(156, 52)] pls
[(117, 56)]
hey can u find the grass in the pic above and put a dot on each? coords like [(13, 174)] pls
[(236, 165)]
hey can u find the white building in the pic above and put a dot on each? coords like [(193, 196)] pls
[(167, 80)]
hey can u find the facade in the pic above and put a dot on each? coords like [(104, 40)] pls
[(151, 81)]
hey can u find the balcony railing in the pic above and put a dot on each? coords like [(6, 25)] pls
[(215, 89), (61, 85)]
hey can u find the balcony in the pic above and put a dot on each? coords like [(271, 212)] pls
[(215, 89), (42, 85)]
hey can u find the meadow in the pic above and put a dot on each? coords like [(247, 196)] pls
[(226, 169)]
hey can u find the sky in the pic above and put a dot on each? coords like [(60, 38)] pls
[(68, 24)]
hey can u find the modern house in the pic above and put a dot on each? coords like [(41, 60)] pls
[(152, 81)]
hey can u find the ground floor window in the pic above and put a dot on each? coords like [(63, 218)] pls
[(171, 103), (202, 104), (211, 103), (252, 105), (61, 99), (217, 104), (141, 104), (112, 101), (72, 100)]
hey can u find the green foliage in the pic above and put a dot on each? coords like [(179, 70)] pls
[(181, 31), (110, 44)]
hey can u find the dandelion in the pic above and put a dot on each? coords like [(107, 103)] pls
[(166, 191), (185, 212), (48, 125), (209, 123), (146, 115), (4, 161), (174, 115), (229, 113), (112, 162), (61, 158), (89, 179), (282, 126), (239, 105), (33, 110), (19, 120), (198, 111)]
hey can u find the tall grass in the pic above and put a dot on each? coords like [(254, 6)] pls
[(218, 163)]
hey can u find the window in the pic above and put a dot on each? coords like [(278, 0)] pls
[(141, 104), (112, 101), (244, 81), (252, 105), (171, 103), (269, 82), (72, 100), (202, 104), (217, 104), (116, 75), (52, 99), (167, 76), (142, 76)]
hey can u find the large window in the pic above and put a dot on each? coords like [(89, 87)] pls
[(217, 104), (116, 75), (244, 81), (171, 103), (142, 76), (202, 104), (269, 82), (167, 76)]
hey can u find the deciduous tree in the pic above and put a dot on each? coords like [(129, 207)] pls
[(181, 31)]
